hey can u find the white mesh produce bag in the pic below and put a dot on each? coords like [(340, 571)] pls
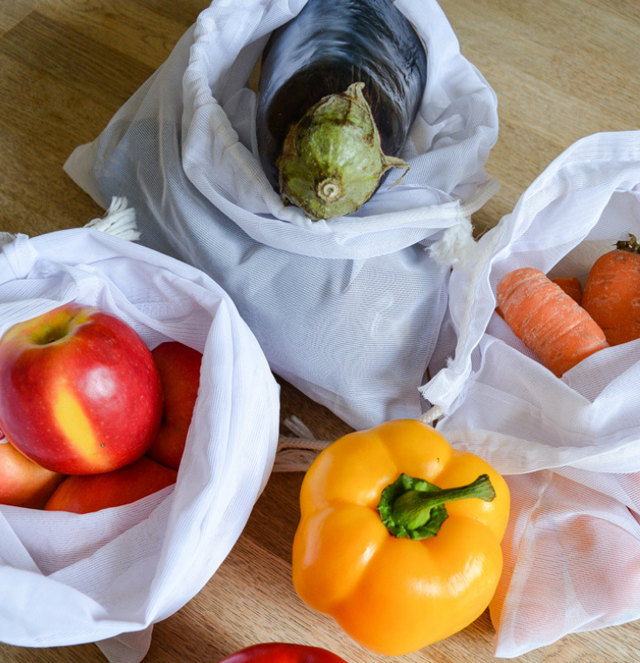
[(347, 310), (109, 576), (570, 445)]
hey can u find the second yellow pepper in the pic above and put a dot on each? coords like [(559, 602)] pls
[(399, 537)]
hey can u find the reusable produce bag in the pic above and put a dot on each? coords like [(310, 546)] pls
[(347, 310), (570, 446), (108, 576)]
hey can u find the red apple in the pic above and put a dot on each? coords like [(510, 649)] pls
[(79, 391), (22, 482), (179, 368), (85, 494)]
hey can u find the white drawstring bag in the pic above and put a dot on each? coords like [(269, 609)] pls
[(570, 446), (108, 576), (346, 310)]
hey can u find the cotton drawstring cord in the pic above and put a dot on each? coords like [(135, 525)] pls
[(435, 412), (119, 220), (457, 245), (295, 454)]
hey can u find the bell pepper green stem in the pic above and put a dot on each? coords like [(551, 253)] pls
[(414, 508)]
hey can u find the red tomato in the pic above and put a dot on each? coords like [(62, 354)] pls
[(282, 652)]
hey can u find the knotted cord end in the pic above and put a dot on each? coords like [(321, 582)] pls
[(119, 220)]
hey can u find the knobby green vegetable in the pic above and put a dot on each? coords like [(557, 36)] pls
[(332, 161), (340, 87)]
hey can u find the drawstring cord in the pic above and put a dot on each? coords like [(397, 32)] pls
[(295, 454), (119, 220)]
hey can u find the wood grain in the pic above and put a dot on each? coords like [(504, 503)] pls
[(562, 69)]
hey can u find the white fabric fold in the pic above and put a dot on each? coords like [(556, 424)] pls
[(109, 576), (570, 446), (347, 310)]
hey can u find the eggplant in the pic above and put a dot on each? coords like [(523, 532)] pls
[(340, 86)]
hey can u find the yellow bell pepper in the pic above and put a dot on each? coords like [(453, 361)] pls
[(399, 536)]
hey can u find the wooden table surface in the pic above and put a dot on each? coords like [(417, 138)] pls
[(562, 69)]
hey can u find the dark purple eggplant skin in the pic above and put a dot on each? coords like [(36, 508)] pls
[(328, 46)]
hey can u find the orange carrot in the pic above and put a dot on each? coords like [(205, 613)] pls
[(571, 285), (547, 320), (612, 292)]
